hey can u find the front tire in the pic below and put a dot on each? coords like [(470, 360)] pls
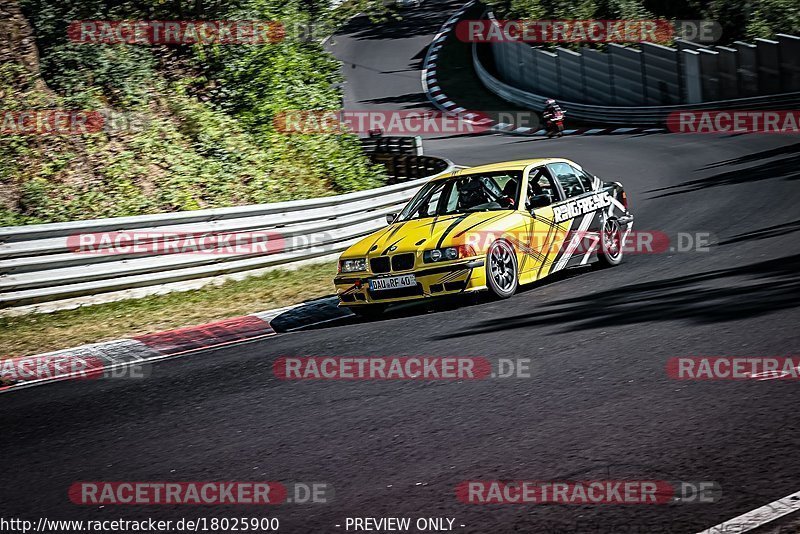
[(502, 277), (610, 244)]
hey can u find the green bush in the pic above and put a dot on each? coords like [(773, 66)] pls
[(207, 138), (740, 19)]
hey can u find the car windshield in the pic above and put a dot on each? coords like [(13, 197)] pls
[(465, 194)]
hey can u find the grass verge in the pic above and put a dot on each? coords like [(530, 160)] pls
[(37, 333)]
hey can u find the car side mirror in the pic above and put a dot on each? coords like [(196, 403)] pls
[(391, 217), (540, 201)]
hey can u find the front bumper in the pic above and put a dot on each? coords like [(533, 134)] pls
[(433, 280)]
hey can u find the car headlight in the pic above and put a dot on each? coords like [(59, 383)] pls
[(448, 254), (353, 266)]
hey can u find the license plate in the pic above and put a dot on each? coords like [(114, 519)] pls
[(392, 282)]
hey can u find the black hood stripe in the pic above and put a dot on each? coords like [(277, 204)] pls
[(379, 237), (450, 228), (386, 251), (462, 232), (395, 230)]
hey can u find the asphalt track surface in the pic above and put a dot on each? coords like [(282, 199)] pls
[(598, 406)]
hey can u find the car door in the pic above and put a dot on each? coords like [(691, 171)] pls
[(581, 211), (542, 238)]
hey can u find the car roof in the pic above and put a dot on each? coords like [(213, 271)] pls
[(515, 165)]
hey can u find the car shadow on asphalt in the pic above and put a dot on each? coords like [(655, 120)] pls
[(785, 168), (756, 156), (767, 232), (325, 313), (748, 291)]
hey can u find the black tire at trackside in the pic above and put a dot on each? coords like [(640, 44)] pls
[(611, 247), (502, 274)]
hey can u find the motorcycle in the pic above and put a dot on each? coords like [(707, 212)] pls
[(554, 124)]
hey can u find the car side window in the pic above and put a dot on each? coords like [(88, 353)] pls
[(451, 203), (584, 178), (540, 183), (568, 179), (508, 186), (428, 206)]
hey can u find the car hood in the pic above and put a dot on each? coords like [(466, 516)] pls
[(424, 234)]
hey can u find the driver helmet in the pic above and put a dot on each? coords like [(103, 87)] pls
[(550, 102), (471, 194)]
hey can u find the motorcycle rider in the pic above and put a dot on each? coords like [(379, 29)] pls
[(552, 110)]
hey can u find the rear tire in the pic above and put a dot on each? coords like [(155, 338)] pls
[(502, 276), (369, 311), (611, 252)]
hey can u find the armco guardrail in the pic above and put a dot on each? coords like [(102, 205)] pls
[(626, 116), (690, 77), (38, 264)]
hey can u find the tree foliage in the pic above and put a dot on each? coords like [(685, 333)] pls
[(740, 19), (208, 138)]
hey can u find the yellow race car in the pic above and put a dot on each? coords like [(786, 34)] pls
[(492, 228)]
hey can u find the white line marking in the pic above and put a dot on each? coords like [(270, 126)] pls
[(758, 517), (147, 360), (107, 348)]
